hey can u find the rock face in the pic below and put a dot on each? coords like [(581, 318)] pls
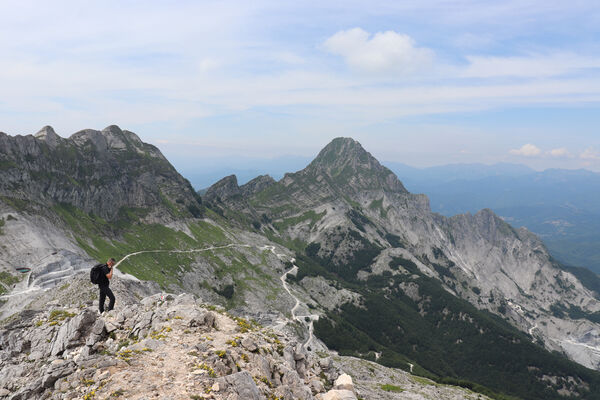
[(100, 172), (166, 347)]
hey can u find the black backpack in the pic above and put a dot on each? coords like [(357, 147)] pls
[(96, 273)]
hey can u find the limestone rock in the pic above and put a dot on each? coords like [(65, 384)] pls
[(339, 395), (344, 382), (74, 332)]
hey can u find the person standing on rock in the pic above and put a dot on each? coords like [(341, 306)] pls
[(103, 284)]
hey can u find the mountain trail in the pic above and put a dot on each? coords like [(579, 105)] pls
[(32, 287), (299, 318)]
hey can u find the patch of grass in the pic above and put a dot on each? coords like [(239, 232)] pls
[(59, 315), (9, 279), (392, 388), (203, 366), (378, 205), (423, 381), (7, 164), (311, 216), (17, 204)]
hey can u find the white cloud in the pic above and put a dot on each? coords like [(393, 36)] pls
[(527, 150), (383, 52), (590, 154), (560, 152)]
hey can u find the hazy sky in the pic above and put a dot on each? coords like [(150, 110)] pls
[(419, 82)]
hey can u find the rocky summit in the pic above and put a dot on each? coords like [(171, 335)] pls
[(334, 282)]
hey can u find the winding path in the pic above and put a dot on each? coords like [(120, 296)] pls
[(300, 318)]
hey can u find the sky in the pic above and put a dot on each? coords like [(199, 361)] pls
[(212, 82)]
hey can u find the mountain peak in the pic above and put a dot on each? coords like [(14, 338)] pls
[(111, 137), (48, 135), (349, 164), (341, 149)]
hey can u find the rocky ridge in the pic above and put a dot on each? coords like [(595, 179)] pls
[(101, 172), (345, 203), (174, 347)]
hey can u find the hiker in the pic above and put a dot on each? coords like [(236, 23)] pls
[(103, 283)]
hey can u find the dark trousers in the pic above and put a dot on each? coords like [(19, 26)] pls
[(105, 291)]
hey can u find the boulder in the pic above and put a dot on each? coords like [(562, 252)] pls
[(249, 344), (57, 370), (74, 332), (344, 382), (241, 384)]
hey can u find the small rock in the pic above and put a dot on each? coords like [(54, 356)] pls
[(110, 327), (339, 395), (216, 387), (344, 382), (249, 345), (325, 363), (316, 386), (104, 376)]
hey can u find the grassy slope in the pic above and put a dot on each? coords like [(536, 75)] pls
[(92, 234)]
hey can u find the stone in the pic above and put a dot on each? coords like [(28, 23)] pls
[(344, 382), (241, 384), (96, 333), (56, 371), (249, 344), (339, 395), (110, 327), (142, 327), (325, 363), (73, 332), (209, 319), (316, 386)]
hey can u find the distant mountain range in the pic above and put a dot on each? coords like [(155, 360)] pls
[(561, 206)]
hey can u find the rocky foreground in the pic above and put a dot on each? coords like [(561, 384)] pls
[(172, 347)]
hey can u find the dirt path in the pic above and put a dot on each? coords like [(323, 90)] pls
[(300, 318), (305, 320)]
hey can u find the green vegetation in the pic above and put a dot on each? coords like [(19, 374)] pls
[(59, 315), (394, 240), (446, 338), (8, 280), (2, 222), (392, 388), (309, 264), (378, 205), (7, 164), (167, 266), (358, 219), (589, 279), (408, 265), (92, 234), (17, 204), (311, 216)]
